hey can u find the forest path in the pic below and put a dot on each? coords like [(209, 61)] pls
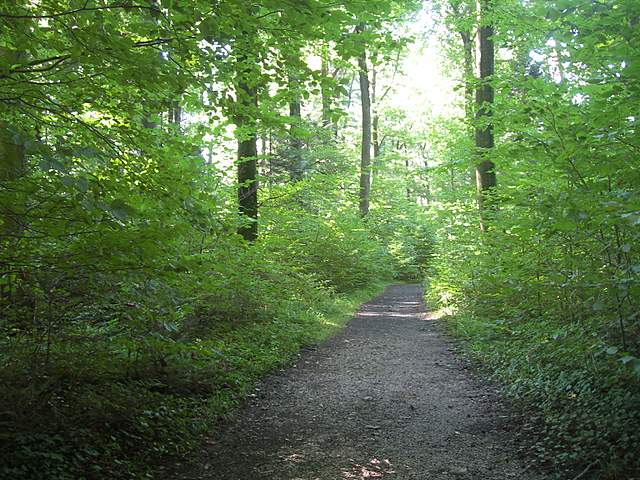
[(386, 398)]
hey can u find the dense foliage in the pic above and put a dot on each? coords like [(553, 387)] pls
[(186, 200), (132, 314), (548, 295)]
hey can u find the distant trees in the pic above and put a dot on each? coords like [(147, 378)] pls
[(305, 26)]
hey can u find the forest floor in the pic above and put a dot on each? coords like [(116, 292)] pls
[(388, 397)]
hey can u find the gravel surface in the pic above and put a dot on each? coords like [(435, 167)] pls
[(388, 397)]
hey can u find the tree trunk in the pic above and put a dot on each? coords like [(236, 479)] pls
[(296, 167), (407, 173), (428, 179), (485, 168), (12, 159), (375, 122), (326, 95), (12, 162), (365, 158), (248, 165), (12, 166), (247, 135), (175, 114), (467, 45)]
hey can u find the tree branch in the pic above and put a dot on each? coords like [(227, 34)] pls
[(82, 10)]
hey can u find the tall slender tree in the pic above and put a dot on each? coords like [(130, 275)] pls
[(296, 167), (325, 91), (485, 168), (461, 16), (12, 158), (375, 120), (365, 153), (247, 76)]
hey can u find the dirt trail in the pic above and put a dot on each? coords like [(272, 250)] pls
[(386, 398)]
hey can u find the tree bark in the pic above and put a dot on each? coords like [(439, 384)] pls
[(428, 179), (296, 167), (485, 168), (246, 110), (248, 164), (375, 122), (12, 159), (365, 158)]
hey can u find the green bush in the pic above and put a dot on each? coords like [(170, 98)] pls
[(538, 305), (120, 346)]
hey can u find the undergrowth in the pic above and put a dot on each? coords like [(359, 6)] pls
[(545, 318), (113, 416), (120, 348), (588, 403)]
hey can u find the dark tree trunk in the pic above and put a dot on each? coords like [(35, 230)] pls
[(248, 165), (246, 119), (365, 158), (428, 179), (485, 168), (375, 122), (12, 162), (12, 158), (12, 167), (248, 188)]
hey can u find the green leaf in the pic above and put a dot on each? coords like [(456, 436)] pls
[(50, 163), (121, 210), (627, 358), (82, 184)]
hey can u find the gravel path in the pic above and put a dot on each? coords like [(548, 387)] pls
[(386, 398)]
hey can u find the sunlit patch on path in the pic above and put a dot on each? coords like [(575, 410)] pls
[(374, 469)]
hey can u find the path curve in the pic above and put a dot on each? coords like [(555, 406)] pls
[(386, 398)]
